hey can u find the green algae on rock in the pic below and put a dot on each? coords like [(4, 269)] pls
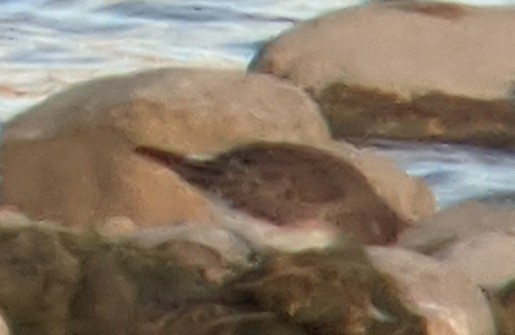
[(502, 301), (39, 276), (331, 292), (82, 139), (359, 112)]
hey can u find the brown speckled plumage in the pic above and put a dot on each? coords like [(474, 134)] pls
[(288, 183)]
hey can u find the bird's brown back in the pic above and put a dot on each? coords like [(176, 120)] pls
[(287, 183)]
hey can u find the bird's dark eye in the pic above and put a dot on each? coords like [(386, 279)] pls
[(247, 161)]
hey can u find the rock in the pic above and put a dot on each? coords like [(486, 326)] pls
[(4, 329), (10, 216), (409, 197), (403, 70), (502, 301), (39, 276), (329, 292), (288, 183), (455, 224), (117, 227), (487, 259), (209, 318), (70, 158), (104, 288), (234, 249), (450, 302), (147, 282)]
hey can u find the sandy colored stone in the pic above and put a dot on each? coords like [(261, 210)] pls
[(403, 47), (450, 302), (4, 328), (487, 259), (70, 158), (405, 70), (457, 223), (408, 196)]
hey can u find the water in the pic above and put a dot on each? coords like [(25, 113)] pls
[(47, 44), (456, 173)]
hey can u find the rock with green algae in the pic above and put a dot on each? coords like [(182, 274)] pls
[(56, 282), (217, 319), (502, 302), (123, 287), (330, 292), (39, 276)]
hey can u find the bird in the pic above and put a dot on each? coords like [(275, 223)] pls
[(288, 183)]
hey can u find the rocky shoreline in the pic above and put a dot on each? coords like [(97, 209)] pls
[(196, 201)]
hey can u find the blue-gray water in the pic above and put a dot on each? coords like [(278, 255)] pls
[(47, 44)]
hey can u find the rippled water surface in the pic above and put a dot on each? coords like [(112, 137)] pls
[(47, 44)]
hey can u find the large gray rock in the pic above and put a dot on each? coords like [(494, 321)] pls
[(405, 69)]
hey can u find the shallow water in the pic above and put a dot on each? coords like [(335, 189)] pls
[(47, 44), (455, 172)]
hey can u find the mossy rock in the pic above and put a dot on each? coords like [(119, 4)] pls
[(39, 276), (332, 292), (502, 301), (357, 112)]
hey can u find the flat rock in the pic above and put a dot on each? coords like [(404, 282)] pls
[(450, 302), (405, 70), (335, 291), (463, 221), (487, 259)]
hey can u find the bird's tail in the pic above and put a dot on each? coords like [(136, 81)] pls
[(198, 172)]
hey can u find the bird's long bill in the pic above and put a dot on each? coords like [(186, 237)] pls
[(194, 171), (166, 158)]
